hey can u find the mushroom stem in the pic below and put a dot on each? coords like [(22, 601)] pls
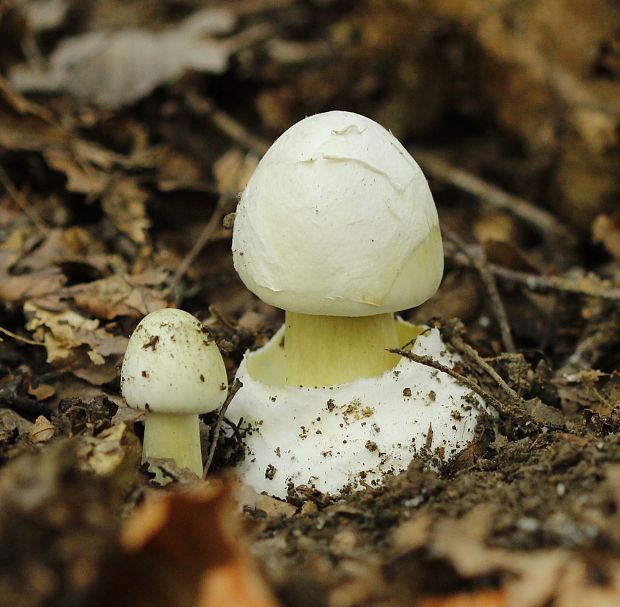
[(330, 350), (173, 436)]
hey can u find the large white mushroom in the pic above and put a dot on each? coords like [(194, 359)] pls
[(337, 226), (174, 371)]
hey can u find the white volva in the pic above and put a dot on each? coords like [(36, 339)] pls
[(174, 371), (350, 434)]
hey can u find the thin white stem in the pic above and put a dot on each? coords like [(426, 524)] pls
[(174, 437)]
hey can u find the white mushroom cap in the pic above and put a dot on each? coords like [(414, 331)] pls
[(338, 219), (172, 366)]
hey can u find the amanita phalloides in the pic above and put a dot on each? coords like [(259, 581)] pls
[(337, 226), (174, 371)]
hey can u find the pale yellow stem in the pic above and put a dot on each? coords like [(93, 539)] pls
[(174, 437), (330, 350)]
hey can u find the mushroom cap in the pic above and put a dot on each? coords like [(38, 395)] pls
[(338, 219), (173, 366)]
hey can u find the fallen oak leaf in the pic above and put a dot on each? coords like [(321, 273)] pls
[(184, 549)]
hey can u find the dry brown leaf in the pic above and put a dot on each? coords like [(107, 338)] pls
[(18, 289), (606, 230), (64, 332), (42, 430), (105, 453), (184, 549), (124, 203), (111, 69), (535, 575), (42, 391), (121, 295)]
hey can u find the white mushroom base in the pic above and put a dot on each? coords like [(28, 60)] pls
[(349, 435)]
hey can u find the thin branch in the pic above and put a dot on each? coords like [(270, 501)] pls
[(227, 123), (508, 409), (21, 202), (469, 352), (545, 222), (478, 260), (515, 408), (215, 434), (199, 245), (24, 340), (539, 283), (593, 345), (545, 284)]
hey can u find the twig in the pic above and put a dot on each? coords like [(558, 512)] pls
[(215, 434), (227, 124), (17, 337), (591, 348), (21, 202), (201, 242), (539, 283), (478, 259), (505, 408), (535, 282), (469, 352), (519, 207)]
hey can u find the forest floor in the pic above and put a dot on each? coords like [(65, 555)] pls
[(121, 158)]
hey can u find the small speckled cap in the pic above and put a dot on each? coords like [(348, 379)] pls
[(338, 220), (173, 366)]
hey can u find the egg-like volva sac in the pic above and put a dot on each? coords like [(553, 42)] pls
[(349, 435)]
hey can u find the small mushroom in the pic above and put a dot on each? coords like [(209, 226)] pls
[(173, 371), (338, 227)]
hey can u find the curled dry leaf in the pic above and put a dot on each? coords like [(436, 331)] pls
[(529, 579), (107, 452), (184, 549), (64, 332), (42, 430)]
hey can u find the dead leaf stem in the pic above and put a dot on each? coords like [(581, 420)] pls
[(199, 245), (478, 259), (539, 283), (24, 340), (215, 433), (507, 408)]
